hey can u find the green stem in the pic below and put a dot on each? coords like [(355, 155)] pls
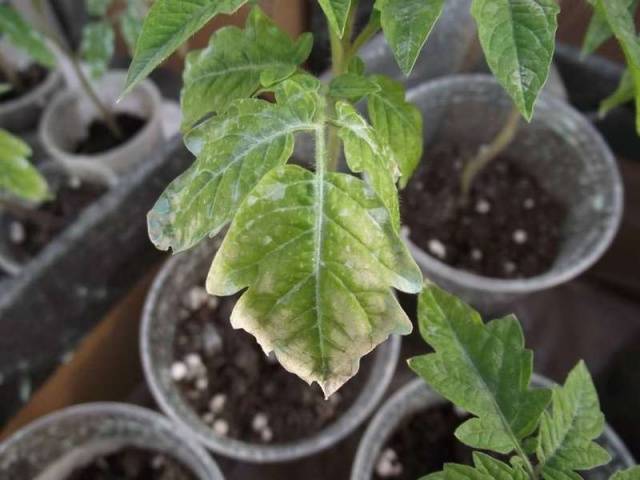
[(340, 48), (487, 153), (370, 29), (106, 114)]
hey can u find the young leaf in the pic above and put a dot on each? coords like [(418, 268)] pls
[(168, 25), (623, 26), (518, 39), (566, 435), (352, 87), (630, 474), (624, 93), (493, 387), (599, 30), (97, 47), (24, 37), (17, 176), (398, 124), (319, 255), (234, 63), (406, 25), (234, 152), (486, 468), (336, 12), (365, 153), (98, 8)]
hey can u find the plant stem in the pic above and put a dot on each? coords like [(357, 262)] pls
[(340, 48), (487, 153), (370, 29), (9, 74), (106, 114)]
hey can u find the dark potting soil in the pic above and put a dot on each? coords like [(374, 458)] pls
[(133, 464), (422, 444), (29, 235), (510, 227), (101, 138), (237, 390), (29, 78)]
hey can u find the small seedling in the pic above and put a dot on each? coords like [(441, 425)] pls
[(547, 433), (18, 178)]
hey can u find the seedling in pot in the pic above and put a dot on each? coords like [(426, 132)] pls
[(96, 50), (318, 252), (484, 369)]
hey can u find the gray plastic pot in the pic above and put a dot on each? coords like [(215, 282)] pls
[(67, 118), (23, 113), (417, 396), (56, 174), (559, 147), (177, 276), (451, 48), (52, 447)]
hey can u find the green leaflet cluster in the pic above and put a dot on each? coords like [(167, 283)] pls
[(18, 177), (319, 252), (485, 369), (617, 18), (98, 36)]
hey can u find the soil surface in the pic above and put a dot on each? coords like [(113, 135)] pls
[(100, 137), (240, 392), (28, 236), (422, 444), (29, 78), (510, 227), (133, 464)]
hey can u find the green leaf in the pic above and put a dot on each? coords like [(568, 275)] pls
[(98, 8), (630, 474), (131, 23), (97, 47), (352, 87), (493, 387), (234, 152), (24, 37), (623, 26), (498, 470), (5, 87), (398, 124), (319, 255), (235, 63), (566, 433), (518, 39), (599, 30), (168, 25), (337, 12), (17, 176), (365, 153), (406, 25), (624, 93)]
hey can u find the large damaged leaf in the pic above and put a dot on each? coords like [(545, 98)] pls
[(495, 387), (233, 152), (236, 63), (366, 154), (319, 256)]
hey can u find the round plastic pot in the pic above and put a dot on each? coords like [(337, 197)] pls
[(56, 174), (559, 147), (23, 112), (56, 445), (177, 276), (417, 396), (66, 120), (451, 48)]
